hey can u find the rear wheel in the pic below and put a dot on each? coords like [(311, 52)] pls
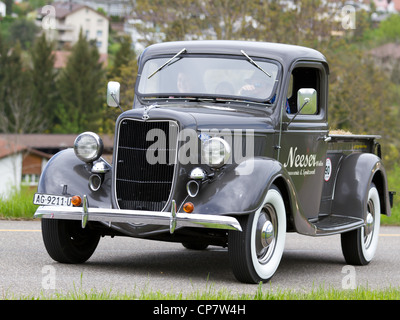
[(359, 246), (255, 253), (67, 242)]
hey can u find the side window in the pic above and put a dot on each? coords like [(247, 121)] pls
[(302, 78)]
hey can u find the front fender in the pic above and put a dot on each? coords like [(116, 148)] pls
[(239, 190), (66, 174), (356, 173)]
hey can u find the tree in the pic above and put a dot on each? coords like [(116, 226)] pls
[(9, 5), (124, 70), (16, 112), (363, 100), (43, 81), (23, 31), (307, 21), (123, 56), (388, 31), (81, 88), (198, 19)]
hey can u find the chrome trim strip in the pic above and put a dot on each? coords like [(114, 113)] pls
[(172, 219)]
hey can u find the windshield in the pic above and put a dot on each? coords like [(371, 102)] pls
[(209, 77)]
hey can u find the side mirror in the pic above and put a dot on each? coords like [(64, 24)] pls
[(307, 101), (113, 88)]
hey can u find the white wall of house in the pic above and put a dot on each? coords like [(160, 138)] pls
[(2, 9), (94, 26), (10, 173)]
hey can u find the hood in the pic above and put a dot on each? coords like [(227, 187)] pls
[(203, 116)]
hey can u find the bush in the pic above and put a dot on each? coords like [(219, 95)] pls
[(394, 185)]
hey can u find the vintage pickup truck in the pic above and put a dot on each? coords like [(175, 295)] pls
[(227, 144)]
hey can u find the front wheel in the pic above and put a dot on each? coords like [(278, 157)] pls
[(359, 246), (256, 252), (67, 242)]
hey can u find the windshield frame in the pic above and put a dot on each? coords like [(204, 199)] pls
[(244, 99)]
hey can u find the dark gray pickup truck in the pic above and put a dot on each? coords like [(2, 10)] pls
[(227, 144)]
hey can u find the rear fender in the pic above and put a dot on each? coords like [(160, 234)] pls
[(66, 174), (356, 173)]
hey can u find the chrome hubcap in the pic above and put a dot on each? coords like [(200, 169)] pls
[(369, 224), (266, 234)]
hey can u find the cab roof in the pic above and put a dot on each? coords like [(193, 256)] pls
[(284, 53)]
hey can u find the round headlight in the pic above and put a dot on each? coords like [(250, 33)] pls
[(88, 146), (216, 152)]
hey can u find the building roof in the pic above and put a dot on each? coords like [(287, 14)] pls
[(388, 50), (8, 148), (61, 59), (63, 9), (44, 141), (397, 5)]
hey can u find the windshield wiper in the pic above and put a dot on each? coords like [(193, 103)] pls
[(254, 63), (165, 64)]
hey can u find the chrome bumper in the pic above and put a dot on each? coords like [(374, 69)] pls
[(173, 219)]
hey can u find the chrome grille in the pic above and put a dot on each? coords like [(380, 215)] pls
[(141, 184)]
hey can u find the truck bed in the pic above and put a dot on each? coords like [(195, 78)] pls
[(341, 145), (348, 143)]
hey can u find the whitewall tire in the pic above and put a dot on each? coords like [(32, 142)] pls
[(359, 246), (256, 252)]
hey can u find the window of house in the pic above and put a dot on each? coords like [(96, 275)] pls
[(30, 179)]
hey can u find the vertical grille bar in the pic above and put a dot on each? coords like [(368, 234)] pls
[(141, 185)]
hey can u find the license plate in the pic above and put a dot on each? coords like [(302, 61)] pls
[(51, 200)]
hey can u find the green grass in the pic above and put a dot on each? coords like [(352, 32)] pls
[(260, 293), (19, 205)]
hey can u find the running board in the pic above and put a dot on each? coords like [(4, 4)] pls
[(332, 224)]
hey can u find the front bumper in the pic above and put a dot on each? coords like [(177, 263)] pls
[(173, 219)]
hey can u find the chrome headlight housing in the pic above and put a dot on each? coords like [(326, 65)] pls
[(88, 147), (215, 152)]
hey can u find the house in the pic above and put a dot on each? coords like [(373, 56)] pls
[(24, 156), (10, 167), (69, 20), (19, 166)]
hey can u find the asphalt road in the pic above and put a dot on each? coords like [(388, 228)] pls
[(132, 265)]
